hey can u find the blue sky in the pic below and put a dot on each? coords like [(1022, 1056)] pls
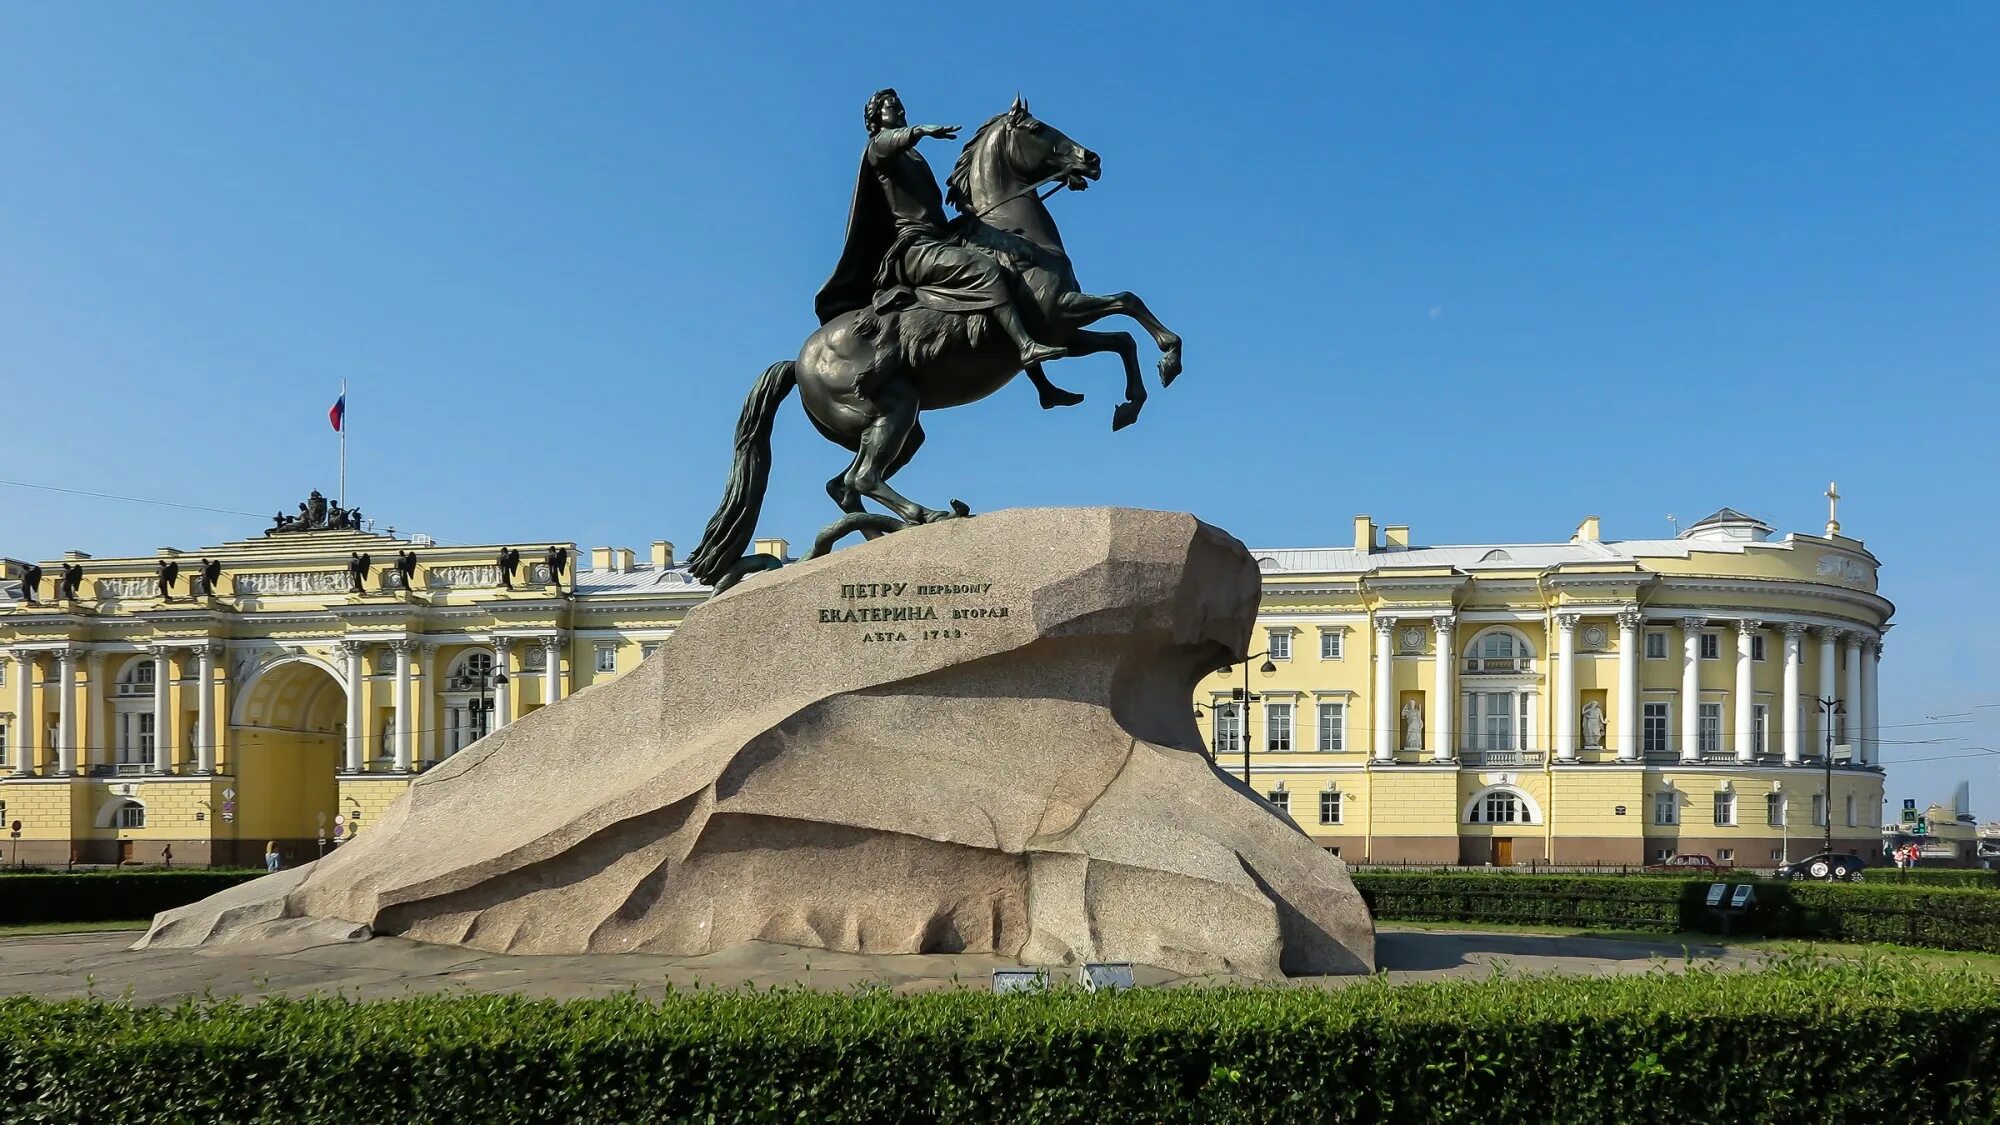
[(1481, 269)]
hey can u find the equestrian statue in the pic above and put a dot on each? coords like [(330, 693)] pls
[(924, 313)]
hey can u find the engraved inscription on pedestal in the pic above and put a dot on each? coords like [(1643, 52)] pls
[(913, 611)]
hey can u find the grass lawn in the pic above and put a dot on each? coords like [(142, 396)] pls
[(1984, 962), (23, 929)]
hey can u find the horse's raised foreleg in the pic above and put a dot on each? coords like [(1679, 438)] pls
[(1088, 308), (1085, 342)]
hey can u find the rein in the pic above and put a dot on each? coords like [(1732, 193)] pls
[(1043, 198)]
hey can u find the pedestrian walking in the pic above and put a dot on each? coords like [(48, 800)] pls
[(271, 856)]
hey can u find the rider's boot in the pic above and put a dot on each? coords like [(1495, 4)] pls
[(1031, 351)]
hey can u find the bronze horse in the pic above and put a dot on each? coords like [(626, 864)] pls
[(865, 376)]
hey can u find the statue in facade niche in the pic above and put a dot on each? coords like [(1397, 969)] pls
[(924, 313), (357, 572), (1413, 726), (69, 581), (509, 563), (1593, 726), (168, 573)]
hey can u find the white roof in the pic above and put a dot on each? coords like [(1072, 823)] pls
[(1486, 556)]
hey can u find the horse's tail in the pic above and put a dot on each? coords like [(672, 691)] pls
[(734, 524)]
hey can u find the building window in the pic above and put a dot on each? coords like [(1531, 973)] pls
[(1850, 810), (1653, 738), (1496, 720), (1757, 647), (138, 678), (607, 658), (1777, 855), (1281, 644), (135, 738), (1656, 644), (648, 648), (1711, 646), (1725, 855), (1334, 851), (1725, 807), (1329, 807), (1819, 810), (131, 814), (1332, 727), (1332, 644), (1774, 809), (1277, 727), (1280, 800), (1662, 855), (1500, 806), (1228, 727), (1498, 650), (1760, 726), (1666, 808), (1710, 733)]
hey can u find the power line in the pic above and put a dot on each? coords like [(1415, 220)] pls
[(129, 499)]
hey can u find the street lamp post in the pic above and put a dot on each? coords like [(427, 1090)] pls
[(1243, 697), (1830, 708), (486, 683)]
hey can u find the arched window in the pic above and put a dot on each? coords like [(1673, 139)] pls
[(1500, 805), (1499, 650), (137, 679), (131, 814), (472, 669)]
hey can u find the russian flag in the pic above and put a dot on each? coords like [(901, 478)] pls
[(338, 415)]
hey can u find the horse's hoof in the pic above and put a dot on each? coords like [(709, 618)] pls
[(959, 509), (1170, 367), (1060, 398), (1126, 414)]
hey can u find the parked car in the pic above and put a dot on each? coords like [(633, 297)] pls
[(1690, 863), (1845, 867)]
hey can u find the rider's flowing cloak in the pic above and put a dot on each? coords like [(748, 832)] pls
[(949, 276)]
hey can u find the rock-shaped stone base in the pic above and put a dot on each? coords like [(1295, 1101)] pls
[(969, 736)]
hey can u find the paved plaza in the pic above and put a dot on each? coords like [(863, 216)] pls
[(74, 965)]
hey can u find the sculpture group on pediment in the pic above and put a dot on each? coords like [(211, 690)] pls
[(317, 513)]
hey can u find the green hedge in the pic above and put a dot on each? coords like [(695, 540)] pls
[(107, 896), (1937, 917), (1970, 878), (1798, 1043)]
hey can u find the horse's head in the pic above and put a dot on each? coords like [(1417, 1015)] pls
[(1013, 150)]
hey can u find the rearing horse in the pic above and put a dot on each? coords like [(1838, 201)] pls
[(865, 376)]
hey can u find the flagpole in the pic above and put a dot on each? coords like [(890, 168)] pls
[(342, 490)]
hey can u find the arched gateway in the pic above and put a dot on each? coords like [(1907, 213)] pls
[(285, 737)]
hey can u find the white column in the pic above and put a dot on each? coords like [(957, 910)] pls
[(1851, 696), (1793, 702), (24, 698), (66, 718), (1871, 701), (357, 730), (163, 719), (503, 687), (404, 712), (552, 674), (1629, 701), (1385, 690), (427, 712), (1829, 667), (98, 712), (1562, 693), (204, 722), (1746, 690), (1444, 701), (1691, 688)]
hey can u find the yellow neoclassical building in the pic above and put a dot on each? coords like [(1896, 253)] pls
[(1576, 702), (1588, 701)]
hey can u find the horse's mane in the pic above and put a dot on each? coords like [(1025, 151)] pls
[(959, 184)]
